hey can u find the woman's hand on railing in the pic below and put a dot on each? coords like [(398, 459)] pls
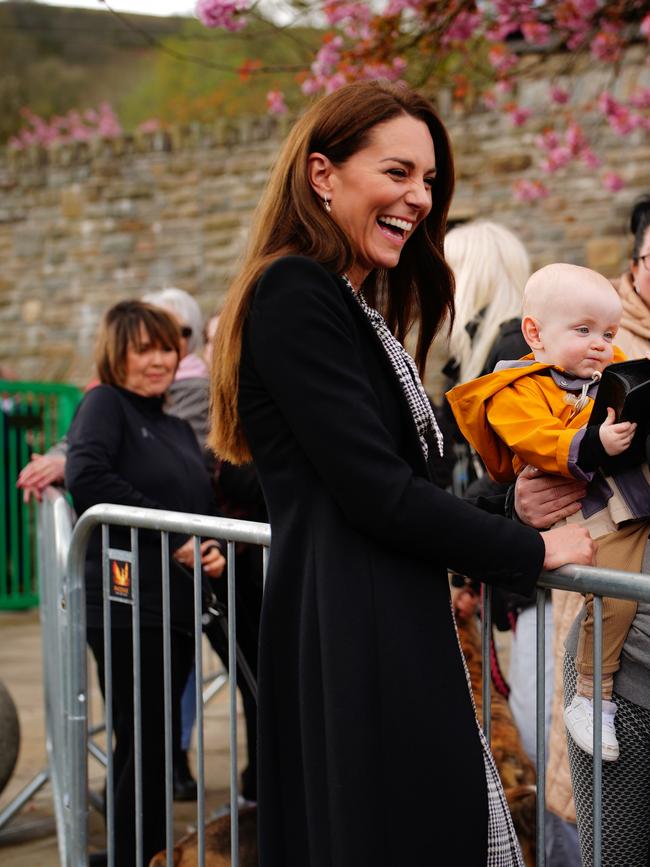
[(541, 499), (212, 560), (41, 471), (568, 544)]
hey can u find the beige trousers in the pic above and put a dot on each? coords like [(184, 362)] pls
[(624, 550)]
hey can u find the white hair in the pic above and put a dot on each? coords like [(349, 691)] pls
[(180, 303), (490, 266)]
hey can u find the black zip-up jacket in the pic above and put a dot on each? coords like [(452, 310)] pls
[(124, 449)]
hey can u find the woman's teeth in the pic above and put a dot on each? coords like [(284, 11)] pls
[(403, 226)]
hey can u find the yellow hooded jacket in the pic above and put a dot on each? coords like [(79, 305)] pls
[(519, 416)]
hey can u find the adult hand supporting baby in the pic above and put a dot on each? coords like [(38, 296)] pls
[(568, 544), (542, 499)]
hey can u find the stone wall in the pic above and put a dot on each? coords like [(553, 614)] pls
[(86, 225)]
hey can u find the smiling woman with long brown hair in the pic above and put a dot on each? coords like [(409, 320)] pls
[(369, 748)]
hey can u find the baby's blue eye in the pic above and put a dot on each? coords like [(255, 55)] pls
[(582, 329)]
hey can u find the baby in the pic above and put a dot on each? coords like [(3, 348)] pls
[(536, 411)]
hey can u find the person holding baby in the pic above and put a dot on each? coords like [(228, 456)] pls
[(535, 411)]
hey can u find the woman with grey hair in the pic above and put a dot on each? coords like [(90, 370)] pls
[(188, 396)]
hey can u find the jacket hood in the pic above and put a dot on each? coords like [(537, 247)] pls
[(468, 403)]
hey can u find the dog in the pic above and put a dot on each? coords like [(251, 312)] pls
[(516, 770), (217, 843)]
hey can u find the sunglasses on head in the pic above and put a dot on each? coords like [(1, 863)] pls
[(186, 332)]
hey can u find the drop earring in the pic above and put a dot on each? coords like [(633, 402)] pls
[(326, 203)]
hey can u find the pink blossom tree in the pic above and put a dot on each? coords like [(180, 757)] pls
[(482, 50), (75, 126)]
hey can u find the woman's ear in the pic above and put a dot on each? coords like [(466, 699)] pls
[(319, 169), (531, 331)]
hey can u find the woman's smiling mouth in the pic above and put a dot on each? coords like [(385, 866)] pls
[(394, 227)]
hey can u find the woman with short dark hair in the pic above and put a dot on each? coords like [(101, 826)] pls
[(124, 449)]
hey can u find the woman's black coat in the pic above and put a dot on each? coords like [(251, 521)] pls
[(369, 752)]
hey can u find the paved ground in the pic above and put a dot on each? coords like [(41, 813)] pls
[(29, 840)]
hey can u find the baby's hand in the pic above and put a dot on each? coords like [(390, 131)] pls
[(616, 437)]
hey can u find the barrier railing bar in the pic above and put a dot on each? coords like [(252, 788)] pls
[(232, 671), (167, 693), (137, 699), (198, 663), (598, 730), (599, 581), (108, 695), (540, 732)]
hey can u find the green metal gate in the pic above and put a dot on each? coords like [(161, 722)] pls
[(33, 416)]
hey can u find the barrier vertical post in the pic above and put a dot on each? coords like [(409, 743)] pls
[(540, 730)]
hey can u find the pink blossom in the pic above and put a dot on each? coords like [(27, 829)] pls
[(396, 7), (310, 86), (334, 82), (462, 27), (548, 140), (501, 60), (504, 86), (536, 32), (575, 138), (556, 159), (529, 191), (327, 57), (392, 72), (275, 102), (355, 16), (222, 13), (149, 126), (641, 97), (577, 39), (500, 32), (519, 115), (606, 46), (645, 26), (489, 99), (590, 159), (607, 104), (585, 8), (559, 95), (613, 182)]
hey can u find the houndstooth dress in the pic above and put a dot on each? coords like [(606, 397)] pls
[(502, 845)]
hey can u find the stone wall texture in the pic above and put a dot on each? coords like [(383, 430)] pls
[(86, 225)]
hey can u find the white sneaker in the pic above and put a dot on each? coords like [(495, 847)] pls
[(579, 720)]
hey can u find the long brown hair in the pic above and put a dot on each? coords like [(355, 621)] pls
[(290, 219)]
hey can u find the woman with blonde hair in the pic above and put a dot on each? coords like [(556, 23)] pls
[(490, 266), (362, 692)]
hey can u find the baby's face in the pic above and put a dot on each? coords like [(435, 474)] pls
[(578, 332)]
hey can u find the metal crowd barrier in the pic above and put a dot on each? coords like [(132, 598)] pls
[(55, 519), (577, 579), (76, 688), (64, 652)]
